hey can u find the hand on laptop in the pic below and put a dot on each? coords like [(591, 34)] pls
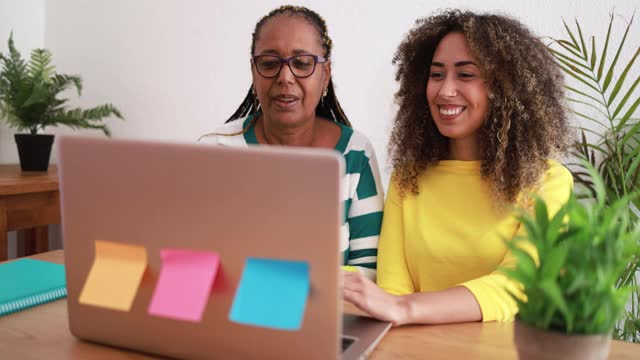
[(368, 297)]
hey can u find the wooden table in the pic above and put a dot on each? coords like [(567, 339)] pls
[(43, 333), (29, 201)]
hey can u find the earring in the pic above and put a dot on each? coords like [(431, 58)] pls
[(324, 93)]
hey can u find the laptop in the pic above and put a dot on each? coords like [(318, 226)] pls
[(263, 202)]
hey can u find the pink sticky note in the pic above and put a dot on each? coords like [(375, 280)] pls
[(184, 284)]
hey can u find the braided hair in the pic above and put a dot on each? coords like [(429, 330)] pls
[(328, 108)]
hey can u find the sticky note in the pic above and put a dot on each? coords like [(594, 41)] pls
[(184, 284), (115, 275), (272, 294)]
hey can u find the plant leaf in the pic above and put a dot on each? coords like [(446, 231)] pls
[(593, 53), (573, 39), (551, 289), (609, 75), (603, 56), (584, 94), (624, 100), (583, 46), (622, 78)]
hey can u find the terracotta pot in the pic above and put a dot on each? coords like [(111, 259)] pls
[(533, 343)]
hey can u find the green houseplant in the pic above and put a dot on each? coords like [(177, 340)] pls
[(30, 101), (571, 300), (605, 97)]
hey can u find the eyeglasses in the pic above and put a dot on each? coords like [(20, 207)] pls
[(301, 66)]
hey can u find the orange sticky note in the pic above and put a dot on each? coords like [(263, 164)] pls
[(115, 276)]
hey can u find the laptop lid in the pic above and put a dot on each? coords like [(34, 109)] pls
[(259, 202)]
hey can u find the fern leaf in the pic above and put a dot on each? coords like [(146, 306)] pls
[(40, 65)]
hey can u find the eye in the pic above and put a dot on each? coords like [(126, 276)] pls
[(302, 62), (436, 75), (466, 75), (268, 64)]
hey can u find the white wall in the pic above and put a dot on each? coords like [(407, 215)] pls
[(26, 18), (179, 68)]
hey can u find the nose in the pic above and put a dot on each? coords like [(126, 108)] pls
[(449, 88), (285, 75)]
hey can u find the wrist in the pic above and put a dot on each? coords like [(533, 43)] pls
[(404, 310)]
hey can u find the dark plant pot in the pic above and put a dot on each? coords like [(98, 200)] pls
[(533, 343), (34, 151)]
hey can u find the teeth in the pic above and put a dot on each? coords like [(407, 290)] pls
[(451, 111)]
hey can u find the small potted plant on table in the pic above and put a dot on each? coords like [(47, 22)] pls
[(29, 101), (569, 303)]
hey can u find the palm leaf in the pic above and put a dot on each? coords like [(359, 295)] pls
[(575, 76), (560, 56), (603, 56), (584, 47), (622, 78), (589, 105), (573, 39), (593, 53), (569, 48), (572, 89), (623, 102), (609, 75), (590, 119), (636, 128)]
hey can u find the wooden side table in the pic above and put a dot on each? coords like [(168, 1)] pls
[(29, 202)]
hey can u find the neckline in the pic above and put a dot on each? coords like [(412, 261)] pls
[(251, 138)]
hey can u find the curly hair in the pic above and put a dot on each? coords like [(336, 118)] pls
[(525, 124)]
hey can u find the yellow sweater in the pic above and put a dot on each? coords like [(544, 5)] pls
[(450, 234)]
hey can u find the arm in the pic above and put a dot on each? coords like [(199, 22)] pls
[(491, 290), (393, 271), (365, 214), (456, 304)]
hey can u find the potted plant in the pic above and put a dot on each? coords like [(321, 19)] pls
[(29, 101), (605, 97), (570, 303)]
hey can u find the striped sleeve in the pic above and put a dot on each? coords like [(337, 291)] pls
[(364, 215)]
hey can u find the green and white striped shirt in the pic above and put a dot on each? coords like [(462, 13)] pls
[(362, 191)]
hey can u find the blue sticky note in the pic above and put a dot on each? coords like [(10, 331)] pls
[(272, 294)]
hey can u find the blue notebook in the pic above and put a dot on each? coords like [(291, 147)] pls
[(25, 283)]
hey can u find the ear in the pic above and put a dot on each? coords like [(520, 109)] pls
[(327, 74)]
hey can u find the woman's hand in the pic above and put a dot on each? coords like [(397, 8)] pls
[(368, 297)]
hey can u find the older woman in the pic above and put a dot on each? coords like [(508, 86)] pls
[(292, 102), (481, 116)]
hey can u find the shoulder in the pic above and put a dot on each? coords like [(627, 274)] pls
[(357, 146), (555, 186), (358, 141), (226, 134), (557, 175)]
